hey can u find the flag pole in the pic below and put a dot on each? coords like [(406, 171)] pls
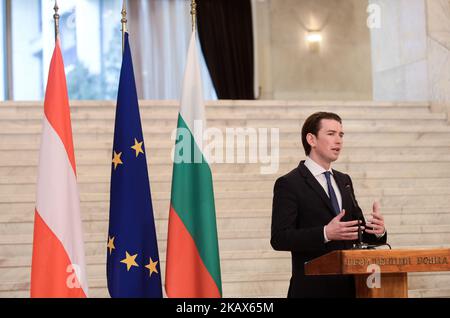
[(56, 18), (193, 14), (124, 23)]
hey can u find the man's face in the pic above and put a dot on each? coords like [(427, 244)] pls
[(329, 141)]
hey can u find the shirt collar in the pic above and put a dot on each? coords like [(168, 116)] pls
[(315, 168)]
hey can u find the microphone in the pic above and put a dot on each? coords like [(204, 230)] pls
[(349, 190), (360, 245)]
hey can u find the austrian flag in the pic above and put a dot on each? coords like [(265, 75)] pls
[(58, 265)]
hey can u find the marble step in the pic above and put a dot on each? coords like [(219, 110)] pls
[(416, 219), (258, 284), (365, 137), (160, 156), (101, 226), (107, 114), (252, 179), (437, 280), (15, 272), (261, 283), (98, 211), (257, 110), (96, 219), (392, 198), (158, 147), (233, 285), (230, 218), (240, 284), (377, 187), (95, 244), (18, 269), (429, 293), (222, 182), (88, 121), (96, 268), (355, 169), (232, 105), (293, 147), (388, 197), (352, 140), (229, 258), (103, 293), (408, 166), (165, 114), (284, 126), (98, 223), (100, 203), (94, 164), (18, 286)]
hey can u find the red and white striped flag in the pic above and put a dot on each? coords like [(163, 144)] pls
[(58, 264)]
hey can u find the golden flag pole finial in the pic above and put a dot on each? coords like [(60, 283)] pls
[(124, 23), (56, 18), (193, 14)]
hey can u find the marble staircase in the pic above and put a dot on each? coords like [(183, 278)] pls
[(396, 153)]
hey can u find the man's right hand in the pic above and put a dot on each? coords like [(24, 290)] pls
[(342, 231)]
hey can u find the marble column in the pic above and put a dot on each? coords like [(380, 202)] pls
[(399, 51), (411, 52), (438, 23)]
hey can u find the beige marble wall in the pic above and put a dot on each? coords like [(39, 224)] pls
[(341, 69), (399, 51), (406, 59), (438, 25), (263, 49), (411, 52)]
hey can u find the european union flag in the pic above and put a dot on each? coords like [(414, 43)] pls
[(133, 265)]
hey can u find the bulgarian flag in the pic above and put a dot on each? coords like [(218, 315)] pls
[(58, 264), (193, 263)]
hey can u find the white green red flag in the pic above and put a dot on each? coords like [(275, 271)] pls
[(193, 262)]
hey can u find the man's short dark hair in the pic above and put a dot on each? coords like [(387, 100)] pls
[(312, 125)]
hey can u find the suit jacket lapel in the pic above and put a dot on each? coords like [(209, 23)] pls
[(315, 185)]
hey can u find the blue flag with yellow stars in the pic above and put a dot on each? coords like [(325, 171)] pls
[(133, 267)]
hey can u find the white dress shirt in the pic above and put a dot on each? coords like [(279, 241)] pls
[(318, 173)]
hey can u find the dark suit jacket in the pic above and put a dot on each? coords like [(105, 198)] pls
[(301, 208)]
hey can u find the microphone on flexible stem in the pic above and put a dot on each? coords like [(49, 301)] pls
[(360, 245)]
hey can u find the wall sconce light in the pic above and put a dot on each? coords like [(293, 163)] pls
[(314, 38)]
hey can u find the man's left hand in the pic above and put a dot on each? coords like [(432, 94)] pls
[(375, 225)]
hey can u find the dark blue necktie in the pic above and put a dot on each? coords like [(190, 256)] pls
[(332, 194)]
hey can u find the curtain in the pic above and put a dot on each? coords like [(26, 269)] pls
[(226, 36), (159, 37)]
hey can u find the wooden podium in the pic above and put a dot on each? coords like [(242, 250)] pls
[(394, 266)]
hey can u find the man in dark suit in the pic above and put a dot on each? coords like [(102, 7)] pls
[(315, 212)]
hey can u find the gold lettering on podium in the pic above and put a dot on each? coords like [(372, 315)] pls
[(395, 261), (431, 260)]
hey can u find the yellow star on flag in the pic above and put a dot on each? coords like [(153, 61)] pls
[(116, 160), (137, 147), (111, 244), (152, 267), (130, 261)]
